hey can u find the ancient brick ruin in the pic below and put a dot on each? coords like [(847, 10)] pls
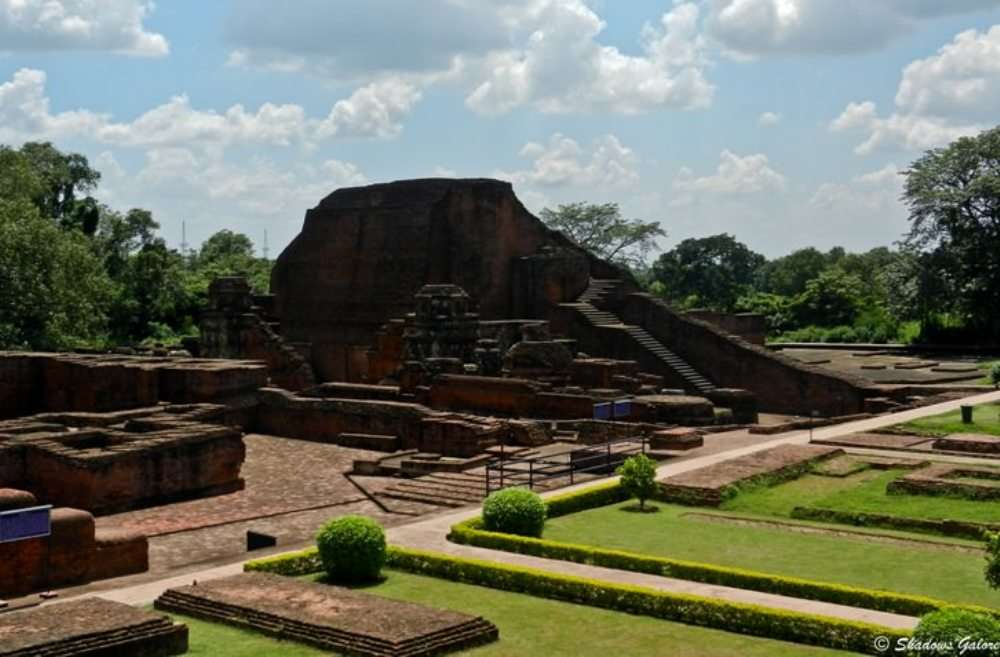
[(74, 553)]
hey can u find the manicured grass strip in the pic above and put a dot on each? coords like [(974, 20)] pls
[(471, 533), (858, 561), (863, 493), (529, 627), (986, 419), (213, 640), (692, 610)]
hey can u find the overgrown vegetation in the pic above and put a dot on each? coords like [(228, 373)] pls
[(75, 272)]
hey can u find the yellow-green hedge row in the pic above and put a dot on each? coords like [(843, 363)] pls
[(471, 532), (693, 610)]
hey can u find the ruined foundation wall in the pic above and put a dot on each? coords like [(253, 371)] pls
[(39, 382)]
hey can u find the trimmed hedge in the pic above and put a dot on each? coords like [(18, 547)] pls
[(293, 564), (472, 533), (352, 549), (515, 511), (953, 528), (956, 631), (589, 498), (682, 608)]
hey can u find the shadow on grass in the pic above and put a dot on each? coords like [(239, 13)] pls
[(353, 584), (635, 508)]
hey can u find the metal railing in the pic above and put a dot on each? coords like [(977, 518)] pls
[(532, 471)]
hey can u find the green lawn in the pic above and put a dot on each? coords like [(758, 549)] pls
[(863, 492), (943, 574), (529, 627), (986, 419)]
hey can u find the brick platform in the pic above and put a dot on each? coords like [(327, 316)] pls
[(92, 627), (941, 479), (969, 442), (710, 485), (329, 617)]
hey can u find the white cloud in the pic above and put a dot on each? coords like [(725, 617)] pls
[(505, 54), (769, 118), (563, 68), (757, 27), (372, 111), (562, 161), (50, 25), (735, 175), (940, 98), (875, 190)]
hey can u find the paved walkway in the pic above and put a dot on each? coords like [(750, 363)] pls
[(429, 533)]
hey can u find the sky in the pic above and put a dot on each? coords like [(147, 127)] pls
[(783, 122)]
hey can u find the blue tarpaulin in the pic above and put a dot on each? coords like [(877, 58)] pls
[(22, 524), (602, 411), (623, 408)]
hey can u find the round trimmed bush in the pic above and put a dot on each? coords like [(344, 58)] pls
[(514, 511), (939, 634), (352, 549)]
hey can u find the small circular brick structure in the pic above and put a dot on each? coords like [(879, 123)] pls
[(12, 498)]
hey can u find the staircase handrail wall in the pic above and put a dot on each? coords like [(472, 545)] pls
[(781, 384)]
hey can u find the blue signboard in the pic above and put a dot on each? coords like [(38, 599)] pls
[(22, 524), (623, 408), (602, 411)]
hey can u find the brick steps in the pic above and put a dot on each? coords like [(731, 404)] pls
[(588, 305)]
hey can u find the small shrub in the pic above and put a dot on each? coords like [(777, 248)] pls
[(352, 549), (514, 511), (993, 560), (638, 477), (952, 632), (995, 374)]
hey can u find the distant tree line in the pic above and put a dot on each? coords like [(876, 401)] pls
[(941, 283), (76, 273)]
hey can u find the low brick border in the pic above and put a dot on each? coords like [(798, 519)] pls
[(92, 626), (329, 617)]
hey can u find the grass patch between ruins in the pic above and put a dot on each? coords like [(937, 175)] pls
[(864, 492), (529, 627), (986, 420), (937, 572)]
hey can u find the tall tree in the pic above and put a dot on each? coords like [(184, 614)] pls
[(953, 197), (54, 293), (64, 176), (710, 272), (601, 229)]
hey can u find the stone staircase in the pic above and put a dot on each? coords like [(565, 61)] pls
[(589, 305), (690, 375), (447, 489)]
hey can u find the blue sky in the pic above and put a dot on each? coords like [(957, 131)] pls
[(783, 122)]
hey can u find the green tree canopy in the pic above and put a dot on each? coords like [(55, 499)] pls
[(601, 229), (953, 197), (710, 272), (54, 293), (63, 177)]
